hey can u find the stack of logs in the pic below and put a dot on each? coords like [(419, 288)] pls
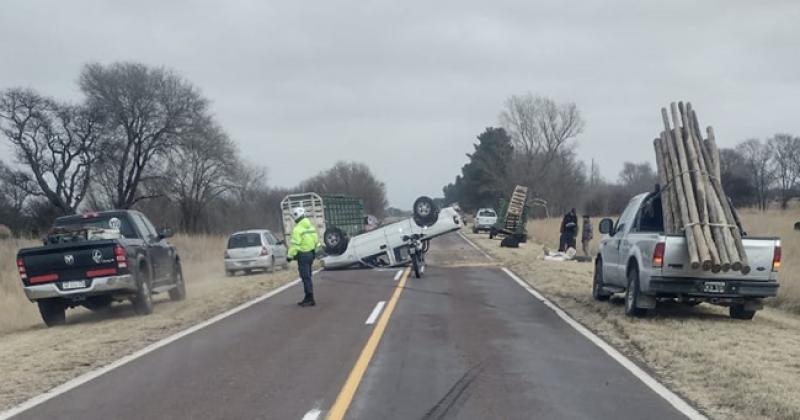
[(692, 197)]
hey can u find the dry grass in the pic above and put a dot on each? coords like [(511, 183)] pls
[(34, 358), (730, 369)]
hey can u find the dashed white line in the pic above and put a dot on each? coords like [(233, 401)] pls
[(643, 376), (313, 414), (375, 312), (397, 276)]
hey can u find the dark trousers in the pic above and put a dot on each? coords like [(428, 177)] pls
[(305, 260)]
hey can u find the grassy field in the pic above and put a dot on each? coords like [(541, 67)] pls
[(771, 223)]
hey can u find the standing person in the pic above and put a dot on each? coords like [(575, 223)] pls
[(586, 234), (569, 231), (303, 249)]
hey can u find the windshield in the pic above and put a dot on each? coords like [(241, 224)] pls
[(244, 240), (487, 213)]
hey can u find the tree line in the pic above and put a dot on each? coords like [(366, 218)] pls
[(142, 137), (535, 145)]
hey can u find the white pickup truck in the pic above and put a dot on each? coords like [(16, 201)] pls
[(637, 258)]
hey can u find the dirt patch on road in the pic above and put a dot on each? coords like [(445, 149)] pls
[(34, 358), (730, 369)]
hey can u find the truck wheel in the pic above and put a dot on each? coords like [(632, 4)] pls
[(597, 283), (632, 295), (143, 301), (492, 232), (425, 211), (739, 312), (52, 311), (179, 291), (475, 229), (335, 240)]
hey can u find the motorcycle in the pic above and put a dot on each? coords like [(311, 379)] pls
[(417, 248)]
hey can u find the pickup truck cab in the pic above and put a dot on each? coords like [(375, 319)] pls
[(95, 259), (637, 258)]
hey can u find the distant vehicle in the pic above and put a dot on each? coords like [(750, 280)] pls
[(95, 259), (484, 220), (252, 250), (637, 258), (513, 217), (389, 245)]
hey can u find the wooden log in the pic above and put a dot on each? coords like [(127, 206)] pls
[(666, 206), (715, 214), (673, 192), (743, 264), (677, 180), (694, 218)]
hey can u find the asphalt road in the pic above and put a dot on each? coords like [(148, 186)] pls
[(465, 342)]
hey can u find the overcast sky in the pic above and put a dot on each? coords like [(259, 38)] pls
[(406, 86)]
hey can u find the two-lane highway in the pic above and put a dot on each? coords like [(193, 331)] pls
[(465, 341)]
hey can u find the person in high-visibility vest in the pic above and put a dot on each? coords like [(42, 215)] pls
[(303, 248)]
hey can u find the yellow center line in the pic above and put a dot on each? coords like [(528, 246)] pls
[(345, 397)]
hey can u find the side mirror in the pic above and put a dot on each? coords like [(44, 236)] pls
[(165, 233), (607, 227)]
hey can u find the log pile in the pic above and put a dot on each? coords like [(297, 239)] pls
[(692, 198)]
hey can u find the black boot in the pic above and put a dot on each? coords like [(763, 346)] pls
[(308, 301), (304, 301)]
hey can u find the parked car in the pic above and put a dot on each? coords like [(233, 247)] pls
[(389, 244), (484, 220), (252, 250), (95, 259), (637, 258)]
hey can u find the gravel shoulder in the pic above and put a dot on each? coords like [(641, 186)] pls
[(729, 369), (34, 359)]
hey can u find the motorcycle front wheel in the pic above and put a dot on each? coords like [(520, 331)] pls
[(416, 266)]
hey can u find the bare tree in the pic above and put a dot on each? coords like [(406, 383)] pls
[(638, 177), (540, 128), (201, 169), (56, 142), (786, 164), (354, 179), (757, 158), (148, 109)]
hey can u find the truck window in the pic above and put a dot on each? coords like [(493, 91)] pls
[(142, 226), (650, 218), (487, 213), (103, 221)]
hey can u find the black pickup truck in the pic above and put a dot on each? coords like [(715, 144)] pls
[(95, 259)]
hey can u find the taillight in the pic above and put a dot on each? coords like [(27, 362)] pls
[(264, 251), (21, 267), (776, 258), (658, 254), (122, 257)]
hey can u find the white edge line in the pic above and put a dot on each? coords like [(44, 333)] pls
[(397, 276), (313, 414), (88, 376), (375, 312), (476, 246), (643, 376)]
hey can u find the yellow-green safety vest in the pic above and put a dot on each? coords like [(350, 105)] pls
[(304, 238)]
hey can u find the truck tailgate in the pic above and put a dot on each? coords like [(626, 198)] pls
[(70, 261), (760, 252)]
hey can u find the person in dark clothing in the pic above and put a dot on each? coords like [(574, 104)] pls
[(569, 231)]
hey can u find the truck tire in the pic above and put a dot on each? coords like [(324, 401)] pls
[(335, 240), (632, 295), (425, 211), (739, 312), (143, 301), (52, 311), (178, 292), (597, 283)]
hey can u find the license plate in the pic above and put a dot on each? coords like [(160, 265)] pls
[(77, 284), (714, 287)]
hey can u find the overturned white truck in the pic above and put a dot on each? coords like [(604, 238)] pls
[(385, 246)]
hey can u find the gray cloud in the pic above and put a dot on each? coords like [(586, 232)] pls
[(406, 86)]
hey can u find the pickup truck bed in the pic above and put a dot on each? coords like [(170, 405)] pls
[(637, 258)]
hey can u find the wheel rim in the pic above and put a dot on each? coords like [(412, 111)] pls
[(423, 209), (332, 239)]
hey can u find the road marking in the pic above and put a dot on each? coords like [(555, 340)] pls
[(375, 312), (643, 376), (312, 415), (345, 397), (476, 246), (397, 276), (88, 376)]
